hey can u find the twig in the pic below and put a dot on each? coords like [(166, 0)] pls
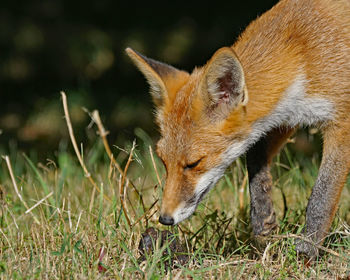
[(122, 183), (139, 195), (103, 133), (75, 146), (77, 225), (8, 241), (13, 217), (155, 211), (69, 215), (125, 197), (263, 259), (339, 232), (92, 200), (241, 192), (128, 163), (303, 238), (238, 262), (38, 203), (129, 200), (7, 159), (285, 205), (145, 214), (154, 166), (223, 234)]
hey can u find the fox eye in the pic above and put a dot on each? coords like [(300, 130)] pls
[(192, 165)]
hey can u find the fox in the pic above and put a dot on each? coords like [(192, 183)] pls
[(290, 68)]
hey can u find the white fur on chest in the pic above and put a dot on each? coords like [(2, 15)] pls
[(296, 108)]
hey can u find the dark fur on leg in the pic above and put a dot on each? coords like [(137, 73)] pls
[(263, 216), (323, 202)]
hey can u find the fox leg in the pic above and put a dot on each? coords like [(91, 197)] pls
[(325, 195), (259, 158)]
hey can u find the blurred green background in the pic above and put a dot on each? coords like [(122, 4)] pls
[(75, 46)]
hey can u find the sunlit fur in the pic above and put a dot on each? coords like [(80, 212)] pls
[(296, 63)]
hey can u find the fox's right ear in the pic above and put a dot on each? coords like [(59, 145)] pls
[(164, 80), (223, 84)]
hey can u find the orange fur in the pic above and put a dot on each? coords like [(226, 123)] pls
[(309, 37)]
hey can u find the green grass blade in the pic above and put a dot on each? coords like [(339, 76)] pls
[(40, 179)]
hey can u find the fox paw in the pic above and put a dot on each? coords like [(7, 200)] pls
[(263, 226), (306, 248)]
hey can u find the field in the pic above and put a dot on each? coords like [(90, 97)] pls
[(60, 220)]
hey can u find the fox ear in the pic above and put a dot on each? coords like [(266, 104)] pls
[(223, 84), (162, 78)]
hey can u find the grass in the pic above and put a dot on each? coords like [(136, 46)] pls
[(64, 228)]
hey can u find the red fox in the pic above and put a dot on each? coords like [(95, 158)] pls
[(289, 68)]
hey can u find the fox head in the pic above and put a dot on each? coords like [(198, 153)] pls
[(201, 117)]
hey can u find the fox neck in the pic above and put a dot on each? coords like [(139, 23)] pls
[(272, 70), (274, 58), (275, 100)]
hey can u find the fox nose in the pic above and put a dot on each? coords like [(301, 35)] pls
[(166, 220)]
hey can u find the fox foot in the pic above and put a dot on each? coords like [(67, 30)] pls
[(263, 225), (306, 248)]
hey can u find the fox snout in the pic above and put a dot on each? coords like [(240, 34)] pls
[(176, 206), (180, 203), (166, 220), (183, 211)]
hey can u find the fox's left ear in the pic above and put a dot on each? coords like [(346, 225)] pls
[(223, 85), (164, 80)]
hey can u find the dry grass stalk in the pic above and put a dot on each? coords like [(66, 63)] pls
[(9, 243), (92, 200), (77, 225), (238, 262), (155, 167), (103, 133), (7, 159), (241, 192), (264, 256), (146, 213), (95, 116), (38, 203), (122, 183), (329, 251), (75, 146)]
